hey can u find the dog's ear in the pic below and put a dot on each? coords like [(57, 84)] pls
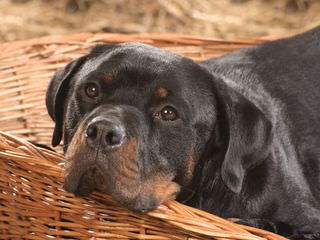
[(247, 133), (56, 95), (59, 86)]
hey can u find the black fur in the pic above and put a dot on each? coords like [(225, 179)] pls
[(249, 121)]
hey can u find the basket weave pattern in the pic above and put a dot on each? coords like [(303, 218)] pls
[(32, 203)]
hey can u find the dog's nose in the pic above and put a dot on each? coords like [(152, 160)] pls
[(105, 132)]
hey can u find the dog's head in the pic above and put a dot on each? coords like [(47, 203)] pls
[(136, 120)]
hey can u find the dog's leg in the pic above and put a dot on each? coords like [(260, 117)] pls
[(265, 224)]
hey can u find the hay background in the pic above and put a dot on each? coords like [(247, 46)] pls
[(223, 19)]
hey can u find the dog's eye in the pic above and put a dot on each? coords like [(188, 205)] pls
[(168, 113), (92, 90)]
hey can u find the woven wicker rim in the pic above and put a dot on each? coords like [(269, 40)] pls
[(34, 159)]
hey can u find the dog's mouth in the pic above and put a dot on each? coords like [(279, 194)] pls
[(141, 196), (134, 194), (117, 172), (90, 180), (150, 194)]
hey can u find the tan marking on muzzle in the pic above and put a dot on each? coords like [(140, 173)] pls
[(108, 77), (162, 92), (76, 150), (131, 184), (76, 144), (157, 189), (160, 187), (128, 162), (189, 169)]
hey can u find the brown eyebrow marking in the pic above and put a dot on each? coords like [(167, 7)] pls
[(108, 77), (162, 92)]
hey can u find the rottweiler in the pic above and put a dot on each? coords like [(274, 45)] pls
[(237, 135)]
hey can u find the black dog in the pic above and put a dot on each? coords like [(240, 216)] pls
[(238, 136)]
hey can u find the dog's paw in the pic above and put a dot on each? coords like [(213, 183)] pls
[(306, 236), (275, 227)]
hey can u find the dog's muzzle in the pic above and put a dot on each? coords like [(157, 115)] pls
[(103, 155)]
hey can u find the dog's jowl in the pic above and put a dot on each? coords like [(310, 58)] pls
[(238, 135)]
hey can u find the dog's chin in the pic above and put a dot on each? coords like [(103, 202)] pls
[(131, 193), (147, 197), (143, 203)]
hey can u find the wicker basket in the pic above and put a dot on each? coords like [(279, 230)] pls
[(32, 203)]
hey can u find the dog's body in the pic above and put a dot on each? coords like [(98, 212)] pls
[(282, 79), (238, 136)]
